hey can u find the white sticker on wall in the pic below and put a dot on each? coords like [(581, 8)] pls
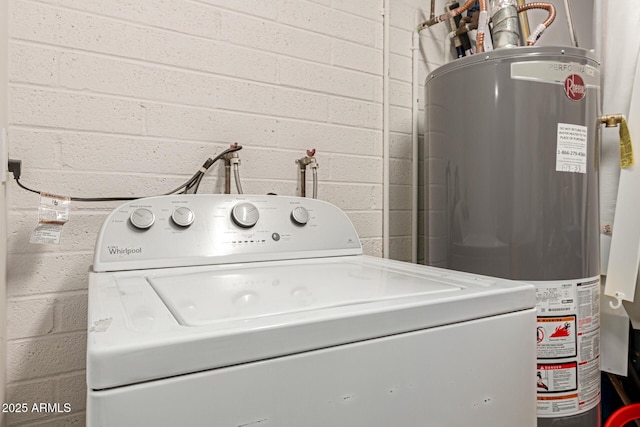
[(53, 213), (46, 234), (571, 152)]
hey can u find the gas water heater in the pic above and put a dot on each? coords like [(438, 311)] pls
[(512, 191)]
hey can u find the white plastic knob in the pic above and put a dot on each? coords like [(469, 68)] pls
[(142, 218), (245, 215), (183, 216), (300, 215)]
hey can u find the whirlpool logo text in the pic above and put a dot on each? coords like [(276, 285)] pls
[(117, 250)]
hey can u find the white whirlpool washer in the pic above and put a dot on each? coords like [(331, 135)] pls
[(261, 311)]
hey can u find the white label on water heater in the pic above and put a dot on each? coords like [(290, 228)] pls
[(568, 333), (571, 152), (554, 72)]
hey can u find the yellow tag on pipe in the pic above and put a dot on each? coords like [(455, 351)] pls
[(626, 149)]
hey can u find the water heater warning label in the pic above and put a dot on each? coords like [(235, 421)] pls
[(558, 377), (568, 334), (557, 337), (571, 153)]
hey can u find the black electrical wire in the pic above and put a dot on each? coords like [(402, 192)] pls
[(194, 182), (191, 183), (196, 185), (80, 199)]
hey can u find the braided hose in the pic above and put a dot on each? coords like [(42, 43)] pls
[(315, 182), (236, 175)]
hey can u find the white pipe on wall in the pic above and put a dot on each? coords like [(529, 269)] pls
[(4, 61), (415, 111), (386, 140)]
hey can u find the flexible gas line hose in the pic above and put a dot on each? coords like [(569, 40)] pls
[(535, 34)]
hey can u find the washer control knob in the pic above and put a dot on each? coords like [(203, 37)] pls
[(245, 215), (142, 218), (300, 215), (183, 216)]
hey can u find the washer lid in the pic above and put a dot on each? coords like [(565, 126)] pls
[(152, 324), (255, 291)]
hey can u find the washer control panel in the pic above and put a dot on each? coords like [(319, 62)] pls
[(183, 230)]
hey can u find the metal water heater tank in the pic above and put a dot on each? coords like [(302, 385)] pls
[(512, 191)]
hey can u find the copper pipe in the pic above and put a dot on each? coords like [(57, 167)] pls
[(480, 36), (546, 6), (480, 43), (445, 16), (466, 6), (433, 9), (537, 5)]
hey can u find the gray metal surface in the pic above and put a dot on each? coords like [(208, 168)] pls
[(506, 27), (496, 203)]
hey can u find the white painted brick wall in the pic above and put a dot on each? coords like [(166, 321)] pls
[(129, 98), (43, 356), (30, 392), (405, 15)]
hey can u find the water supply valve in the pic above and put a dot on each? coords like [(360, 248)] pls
[(308, 160), (611, 120), (626, 148), (233, 155), (232, 160)]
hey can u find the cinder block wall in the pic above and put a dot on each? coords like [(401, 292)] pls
[(432, 53), (110, 98)]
